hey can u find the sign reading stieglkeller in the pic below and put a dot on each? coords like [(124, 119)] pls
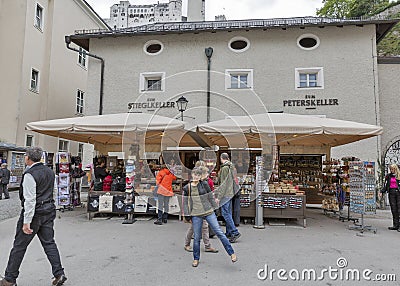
[(310, 102), (151, 104)]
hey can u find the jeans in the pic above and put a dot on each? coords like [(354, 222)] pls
[(226, 211), (42, 226), (3, 188), (197, 222), (394, 201), (236, 209), (163, 207)]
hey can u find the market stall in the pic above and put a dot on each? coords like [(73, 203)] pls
[(141, 137), (294, 146)]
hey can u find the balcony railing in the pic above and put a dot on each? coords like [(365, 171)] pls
[(235, 24)]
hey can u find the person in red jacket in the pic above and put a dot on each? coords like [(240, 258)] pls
[(164, 182)]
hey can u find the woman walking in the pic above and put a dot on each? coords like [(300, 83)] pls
[(199, 205), (391, 186)]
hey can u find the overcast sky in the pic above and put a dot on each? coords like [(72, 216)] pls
[(233, 9)]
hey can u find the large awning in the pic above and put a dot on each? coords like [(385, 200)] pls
[(287, 130)]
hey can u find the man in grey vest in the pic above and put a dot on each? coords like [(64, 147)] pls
[(37, 218)]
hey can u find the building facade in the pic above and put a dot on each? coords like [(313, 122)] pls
[(40, 78), (310, 65), (126, 15)]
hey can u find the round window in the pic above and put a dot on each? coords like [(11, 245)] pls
[(239, 44), (308, 42), (153, 47)]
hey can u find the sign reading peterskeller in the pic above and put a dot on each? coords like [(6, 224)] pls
[(310, 102)]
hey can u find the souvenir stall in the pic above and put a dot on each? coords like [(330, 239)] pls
[(295, 145), (139, 137)]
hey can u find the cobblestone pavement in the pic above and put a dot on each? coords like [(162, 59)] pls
[(10, 208)]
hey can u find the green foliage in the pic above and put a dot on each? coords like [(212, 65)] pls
[(390, 45), (360, 8), (335, 8)]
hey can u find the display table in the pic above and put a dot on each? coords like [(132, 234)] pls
[(284, 206), (114, 202)]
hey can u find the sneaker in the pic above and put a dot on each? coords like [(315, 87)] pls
[(188, 248), (59, 280), (4, 282), (165, 220), (211, 249), (159, 222), (392, 228), (234, 238)]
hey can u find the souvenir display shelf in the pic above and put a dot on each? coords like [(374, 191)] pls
[(64, 182), (280, 200), (303, 171), (362, 192)]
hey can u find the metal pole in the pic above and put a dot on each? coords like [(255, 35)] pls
[(209, 52), (182, 115)]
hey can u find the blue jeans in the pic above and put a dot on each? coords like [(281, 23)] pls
[(163, 204), (197, 222), (226, 211)]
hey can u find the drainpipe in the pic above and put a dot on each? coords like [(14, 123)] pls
[(68, 42), (209, 52)]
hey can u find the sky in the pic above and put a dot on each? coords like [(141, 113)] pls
[(233, 9)]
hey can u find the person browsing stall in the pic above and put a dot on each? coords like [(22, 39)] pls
[(164, 180)]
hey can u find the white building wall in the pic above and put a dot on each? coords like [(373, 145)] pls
[(389, 90), (344, 53), (26, 47)]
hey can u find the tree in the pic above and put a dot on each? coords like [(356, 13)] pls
[(351, 8), (364, 8), (335, 8)]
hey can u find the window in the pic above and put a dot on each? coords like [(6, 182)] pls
[(63, 145), (239, 79), (82, 57), (239, 44), (80, 150), (153, 47), (79, 102), (34, 81), (152, 82), (309, 78), (39, 17), (29, 141), (308, 42)]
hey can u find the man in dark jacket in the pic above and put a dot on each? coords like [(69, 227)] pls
[(224, 194), (37, 218), (4, 180)]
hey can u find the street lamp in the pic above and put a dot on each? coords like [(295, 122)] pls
[(181, 103)]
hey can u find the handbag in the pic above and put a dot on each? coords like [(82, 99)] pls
[(98, 185)]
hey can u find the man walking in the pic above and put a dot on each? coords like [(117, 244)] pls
[(4, 180), (37, 218), (224, 196)]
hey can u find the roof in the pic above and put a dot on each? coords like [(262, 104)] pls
[(389, 60), (383, 26)]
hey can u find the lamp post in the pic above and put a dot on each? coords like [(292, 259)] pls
[(182, 104)]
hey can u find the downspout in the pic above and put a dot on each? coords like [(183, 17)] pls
[(68, 42), (209, 52)]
